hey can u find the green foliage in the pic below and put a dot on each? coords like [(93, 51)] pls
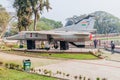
[(24, 13), (4, 20), (52, 23), (38, 6), (106, 23), (46, 24), (13, 66), (42, 24), (1, 63), (27, 8), (97, 78)]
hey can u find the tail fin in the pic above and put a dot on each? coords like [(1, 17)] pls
[(86, 24), (78, 24)]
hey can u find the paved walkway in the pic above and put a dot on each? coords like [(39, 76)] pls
[(87, 68), (108, 68), (110, 56)]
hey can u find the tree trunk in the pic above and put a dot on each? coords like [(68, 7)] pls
[(35, 20), (3, 32), (26, 28)]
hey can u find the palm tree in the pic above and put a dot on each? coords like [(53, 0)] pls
[(37, 7), (25, 8)]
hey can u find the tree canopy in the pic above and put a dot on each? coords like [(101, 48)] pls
[(106, 23), (4, 20), (46, 24), (27, 8), (38, 7), (24, 13)]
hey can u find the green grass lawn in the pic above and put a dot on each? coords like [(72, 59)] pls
[(6, 74), (84, 56), (80, 56)]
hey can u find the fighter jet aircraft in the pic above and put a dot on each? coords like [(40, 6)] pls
[(76, 30)]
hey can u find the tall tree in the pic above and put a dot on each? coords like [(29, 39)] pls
[(4, 20), (106, 23), (25, 8), (24, 13), (37, 7)]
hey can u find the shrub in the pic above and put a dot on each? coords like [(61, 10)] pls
[(75, 77), (80, 77), (12, 66), (17, 67), (39, 70), (50, 73), (104, 79), (84, 78), (67, 75), (63, 74), (97, 78), (6, 65), (1, 63), (45, 71), (32, 69), (58, 72), (89, 79)]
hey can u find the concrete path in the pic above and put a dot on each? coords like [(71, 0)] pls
[(110, 56), (87, 68)]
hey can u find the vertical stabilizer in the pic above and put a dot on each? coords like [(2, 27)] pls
[(79, 24), (86, 23)]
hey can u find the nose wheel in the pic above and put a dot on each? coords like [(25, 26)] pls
[(56, 45)]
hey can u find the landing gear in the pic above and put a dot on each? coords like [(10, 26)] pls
[(64, 45), (47, 48), (55, 45), (30, 44)]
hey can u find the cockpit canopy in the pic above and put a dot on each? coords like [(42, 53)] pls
[(73, 20), (69, 23)]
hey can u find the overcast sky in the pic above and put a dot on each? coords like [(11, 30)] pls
[(63, 9)]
